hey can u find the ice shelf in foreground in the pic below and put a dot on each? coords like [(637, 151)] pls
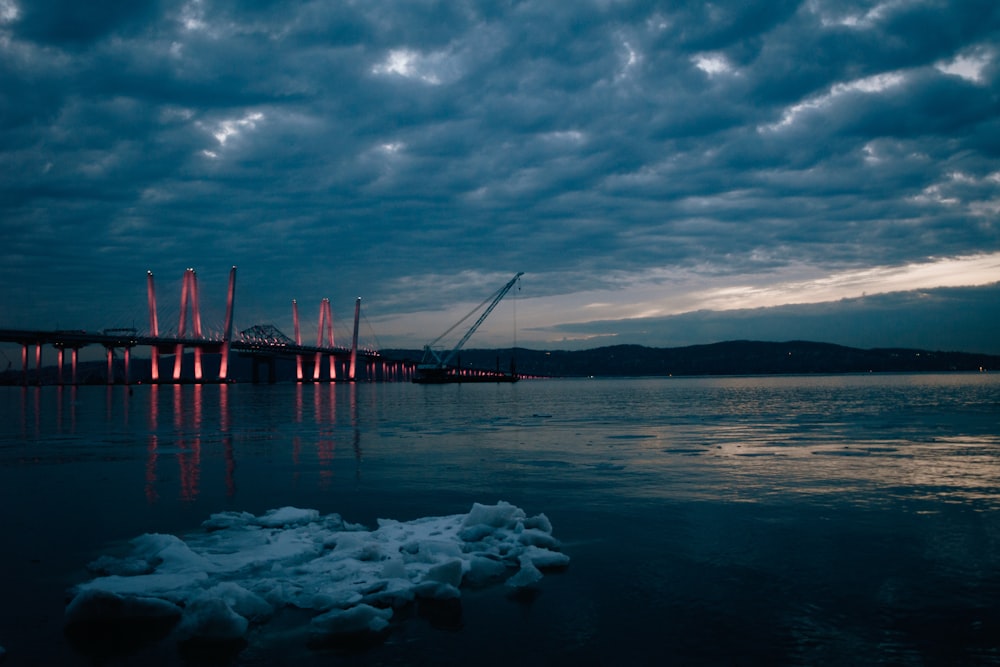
[(215, 584)]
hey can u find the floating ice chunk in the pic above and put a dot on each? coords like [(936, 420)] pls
[(173, 586), (448, 572), (501, 515), (538, 522), (437, 590), (393, 568), (360, 619), (125, 567), (328, 599), (224, 520), (483, 570), (287, 516), (211, 619), (245, 603), (170, 553), (544, 558), (528, 575), (240, 569), (538, 538)]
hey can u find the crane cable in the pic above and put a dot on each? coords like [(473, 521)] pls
[(470, 314), (516, 292)]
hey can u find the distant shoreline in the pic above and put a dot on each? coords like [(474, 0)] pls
[(729, 358), (738, 358)]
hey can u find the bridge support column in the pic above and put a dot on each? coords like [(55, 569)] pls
[(196, 320), (154, 363), (298, 340), (154, 329), (230, 298), (354, 340), (24, 364), (127, 356), (197, 363), (178, 359), (73, 353), (38, 363), (60, 353), (111, 375)]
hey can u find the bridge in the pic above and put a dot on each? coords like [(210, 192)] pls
[(263, 344)]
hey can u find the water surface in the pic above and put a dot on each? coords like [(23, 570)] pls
[(761, 520)]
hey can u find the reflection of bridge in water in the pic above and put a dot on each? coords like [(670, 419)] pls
[(264, 345), (195, 435)]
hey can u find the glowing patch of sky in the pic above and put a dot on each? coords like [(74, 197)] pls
[(663, 293), (433, 68), (712, 63), (9, 11), (565, 137), (229, 129), (193, 15), (631, 61), (871, 17), (871, 84), (965, 271), (968, 66)]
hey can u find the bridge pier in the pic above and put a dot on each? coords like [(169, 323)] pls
[(24, 364), (61, 361), (38, 362), (126, 354)]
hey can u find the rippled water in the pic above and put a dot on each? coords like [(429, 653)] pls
[(763, 520)]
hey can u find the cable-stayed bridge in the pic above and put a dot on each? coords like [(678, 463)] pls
[(189, 354)]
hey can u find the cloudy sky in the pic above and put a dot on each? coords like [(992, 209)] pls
[(666, 173)]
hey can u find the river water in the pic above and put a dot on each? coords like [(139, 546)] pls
[(753, 520)]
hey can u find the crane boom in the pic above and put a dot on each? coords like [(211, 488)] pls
[(442, 362)]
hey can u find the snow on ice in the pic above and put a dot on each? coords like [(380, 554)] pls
[(241, 569)]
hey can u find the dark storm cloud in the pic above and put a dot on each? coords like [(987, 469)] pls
[(415, 152), (76, 24)]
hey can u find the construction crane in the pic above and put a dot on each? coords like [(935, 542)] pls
[(435, 367)]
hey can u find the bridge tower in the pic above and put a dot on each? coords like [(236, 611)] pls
[(354, 340), (228, 335), (325, 328), (298, 340), (189, 294), (154, 327)]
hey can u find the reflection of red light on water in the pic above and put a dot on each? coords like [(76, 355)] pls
[(298, 404), (190, 465), (196, 409), (324, 452), (227, 452), (188, 422), (151, 449), (151, 495), (325, 417)]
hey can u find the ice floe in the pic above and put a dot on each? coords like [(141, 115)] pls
[(241, 569)]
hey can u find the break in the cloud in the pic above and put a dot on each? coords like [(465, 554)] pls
[(636, 160)]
